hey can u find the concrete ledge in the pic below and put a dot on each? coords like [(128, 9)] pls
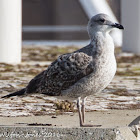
[(40, 133), (66, 127)]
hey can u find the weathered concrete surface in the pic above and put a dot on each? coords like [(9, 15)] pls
[(122, 93), (57, 133), (39, 133), (107, 119)]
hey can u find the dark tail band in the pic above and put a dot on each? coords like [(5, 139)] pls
[(18, 93)]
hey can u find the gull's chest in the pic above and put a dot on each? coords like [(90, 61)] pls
[(105, 71), (96, 81), (104, 65), (100, 79)]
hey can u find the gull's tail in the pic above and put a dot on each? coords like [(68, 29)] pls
[(17, 93)]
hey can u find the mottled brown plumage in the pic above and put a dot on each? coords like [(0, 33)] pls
[(62, 73)]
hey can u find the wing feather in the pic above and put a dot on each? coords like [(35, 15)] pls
[(62, 73)]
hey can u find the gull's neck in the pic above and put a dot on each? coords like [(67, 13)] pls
[(98, 36), (102, 41)]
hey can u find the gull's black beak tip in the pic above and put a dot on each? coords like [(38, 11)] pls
[(119, 26)]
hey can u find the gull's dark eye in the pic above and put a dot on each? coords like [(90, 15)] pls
[(102, 20)]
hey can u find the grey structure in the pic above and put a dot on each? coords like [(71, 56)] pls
[(83, 72)]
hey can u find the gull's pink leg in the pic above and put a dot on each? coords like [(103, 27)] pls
[(81, 111)]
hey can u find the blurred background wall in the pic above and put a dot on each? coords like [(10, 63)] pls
[(55, 13)]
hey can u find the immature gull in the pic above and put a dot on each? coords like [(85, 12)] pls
[(84, 72)]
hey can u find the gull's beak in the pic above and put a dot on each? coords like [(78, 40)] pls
[(116, 25)]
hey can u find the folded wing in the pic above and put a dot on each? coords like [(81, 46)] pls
[(61, 74)]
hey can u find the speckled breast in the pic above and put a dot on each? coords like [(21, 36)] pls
[(95, 82)]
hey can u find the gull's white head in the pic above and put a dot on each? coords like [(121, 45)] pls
[(101, 23)]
